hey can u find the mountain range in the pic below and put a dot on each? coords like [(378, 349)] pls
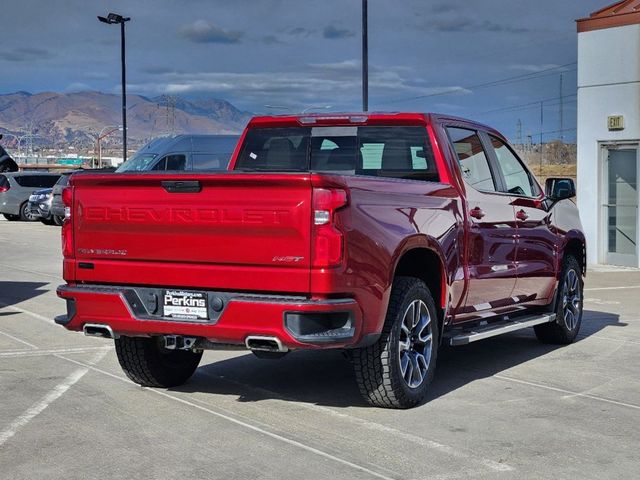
[(73, 117)]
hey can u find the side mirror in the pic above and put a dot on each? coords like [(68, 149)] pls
[(560, 188)]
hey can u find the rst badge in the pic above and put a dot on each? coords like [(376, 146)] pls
[(185, 305)]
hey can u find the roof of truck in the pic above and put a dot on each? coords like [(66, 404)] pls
[(361, 118)]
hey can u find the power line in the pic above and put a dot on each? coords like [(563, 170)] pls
[(503, 81), (521, 106)]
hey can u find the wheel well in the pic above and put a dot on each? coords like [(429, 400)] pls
[(425, 264), (576, 248)]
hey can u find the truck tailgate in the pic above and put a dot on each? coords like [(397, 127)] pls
[(237, 231)]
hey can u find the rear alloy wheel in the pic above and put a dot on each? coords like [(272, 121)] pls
[(568, 307), (396, 371), (27, 215), (146, 362)]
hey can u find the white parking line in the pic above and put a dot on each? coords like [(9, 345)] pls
[(626, 287), (18, 340), (241, 423), (423, 442), (48, 399), (53, 351), (568, 392), (35, 315)]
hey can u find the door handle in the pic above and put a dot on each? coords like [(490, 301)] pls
[(477, 212), (181, 186), (522, 215)]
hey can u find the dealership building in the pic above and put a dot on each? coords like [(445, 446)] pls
[(609, 132)]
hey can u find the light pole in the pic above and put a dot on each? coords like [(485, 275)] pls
[(111, 19), (102, 135), (365, 56)]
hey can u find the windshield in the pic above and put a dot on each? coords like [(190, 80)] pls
[(402, 152), (137, 163)]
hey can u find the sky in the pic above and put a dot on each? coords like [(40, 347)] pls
[(424, 55)]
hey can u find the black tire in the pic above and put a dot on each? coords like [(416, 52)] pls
[(48, 221), (11, 218), (58, 220), (568, 307), (149, 364), (378, 368), (25, 216)]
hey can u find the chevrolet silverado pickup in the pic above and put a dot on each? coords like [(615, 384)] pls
[(386, 235)]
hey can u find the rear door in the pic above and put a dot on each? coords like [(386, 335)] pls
[(536, 252), (491, 243)]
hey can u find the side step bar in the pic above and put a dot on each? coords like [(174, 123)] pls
[(462, 337)]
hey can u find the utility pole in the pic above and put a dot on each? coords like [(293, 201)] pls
[(541, 131), (561, 111), (519, 132), (365, 57)]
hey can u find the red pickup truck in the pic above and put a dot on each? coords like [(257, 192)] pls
[(386, 235)]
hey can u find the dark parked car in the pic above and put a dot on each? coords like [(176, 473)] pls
[(183, 152), (57, 207), (39, 205), (15, 190), (7, 164)]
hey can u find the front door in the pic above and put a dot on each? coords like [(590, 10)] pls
[(620, 207), (536, 253)]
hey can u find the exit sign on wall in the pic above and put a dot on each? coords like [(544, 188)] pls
[(615, 122)]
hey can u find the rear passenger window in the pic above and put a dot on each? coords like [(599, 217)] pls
[(472, 159), (37, 181)]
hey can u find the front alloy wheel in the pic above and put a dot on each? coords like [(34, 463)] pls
[(568, 307)]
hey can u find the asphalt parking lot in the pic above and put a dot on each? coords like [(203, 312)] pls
[(508, 407)]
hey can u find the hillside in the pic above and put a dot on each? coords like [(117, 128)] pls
[(69, 117)]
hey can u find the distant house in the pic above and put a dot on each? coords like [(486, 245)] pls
[(609, 132)]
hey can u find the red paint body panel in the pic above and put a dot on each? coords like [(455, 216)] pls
[(253, 233)]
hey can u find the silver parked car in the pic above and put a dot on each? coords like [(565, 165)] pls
[(15, 189)]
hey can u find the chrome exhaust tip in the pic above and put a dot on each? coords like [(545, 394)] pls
[(98, 330), (263, 343)]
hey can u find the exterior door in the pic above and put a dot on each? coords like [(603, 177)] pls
[(491, 241), (620, 210), (536, 246)]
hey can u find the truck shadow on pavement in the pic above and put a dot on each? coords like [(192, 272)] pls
[(12, 293), (327, 378)]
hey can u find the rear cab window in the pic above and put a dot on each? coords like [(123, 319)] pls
[(398, 152)]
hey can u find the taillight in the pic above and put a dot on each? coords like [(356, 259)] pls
[(328, 241), (4, 188), (67, 227)]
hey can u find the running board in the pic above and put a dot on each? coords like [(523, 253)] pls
[(462, 337)]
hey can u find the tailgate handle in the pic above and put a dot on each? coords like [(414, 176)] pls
[(181, 186)]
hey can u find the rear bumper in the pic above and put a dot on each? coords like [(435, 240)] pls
[(298, 322)]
